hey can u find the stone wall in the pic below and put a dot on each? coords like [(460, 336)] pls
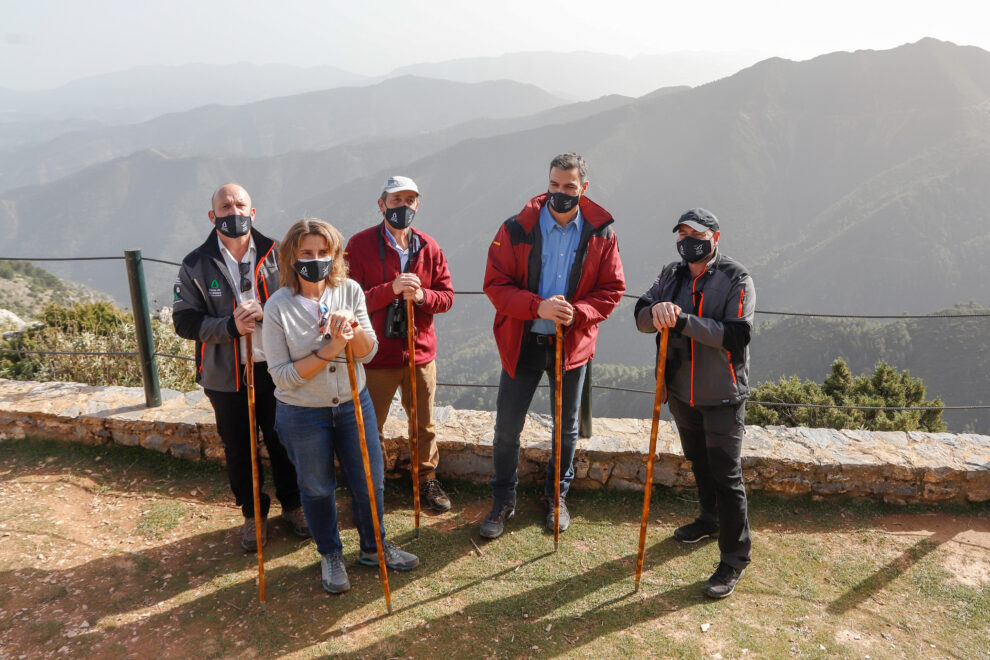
[(892, 466)]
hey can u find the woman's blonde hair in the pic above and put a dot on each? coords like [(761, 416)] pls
[(288, 251)]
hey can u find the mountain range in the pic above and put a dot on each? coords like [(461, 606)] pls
[(311, 121), (584, 76), (852, 183)]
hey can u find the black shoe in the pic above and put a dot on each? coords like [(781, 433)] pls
[(434, 497), (696, 531), (494, 523), (723, 582), (565, 515)]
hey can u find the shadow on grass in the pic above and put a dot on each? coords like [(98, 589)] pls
[(895, 568), (473, 621)]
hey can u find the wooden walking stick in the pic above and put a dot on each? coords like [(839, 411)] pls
[(255, 480), (657, 402), (558, 366), (413, 415), (359, 418)]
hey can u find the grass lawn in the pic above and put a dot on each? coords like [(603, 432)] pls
[(112, 552)]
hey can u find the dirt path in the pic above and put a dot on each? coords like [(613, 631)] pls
[(103, 561)]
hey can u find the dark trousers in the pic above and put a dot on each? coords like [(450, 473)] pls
[(514, 397), (711, 437), (231, 412)]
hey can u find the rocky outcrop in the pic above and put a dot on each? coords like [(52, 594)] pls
[(892, 466)]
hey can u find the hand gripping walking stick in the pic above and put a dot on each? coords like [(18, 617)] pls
[(558, 365), (359, 419), (413, 414), (657, 402), (255, 480)]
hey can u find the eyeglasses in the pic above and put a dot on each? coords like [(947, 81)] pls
[(245, 269), (324, 316)]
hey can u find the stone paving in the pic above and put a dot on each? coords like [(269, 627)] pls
[(892, 466)]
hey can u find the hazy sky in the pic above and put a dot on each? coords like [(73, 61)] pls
[(44, 43)]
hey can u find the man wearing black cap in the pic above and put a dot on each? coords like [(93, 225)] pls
[(707, 300)]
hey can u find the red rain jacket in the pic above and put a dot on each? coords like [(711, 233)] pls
[(512, 279)]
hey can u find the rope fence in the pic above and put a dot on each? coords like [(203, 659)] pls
[(770, 404)]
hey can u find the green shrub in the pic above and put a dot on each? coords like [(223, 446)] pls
[(97, 327), (885, 387)]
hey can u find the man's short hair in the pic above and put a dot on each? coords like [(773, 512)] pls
[(569, 161)]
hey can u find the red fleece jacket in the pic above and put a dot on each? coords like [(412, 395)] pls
[(364, 260)]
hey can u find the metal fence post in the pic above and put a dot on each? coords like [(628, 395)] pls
[(142, 327)]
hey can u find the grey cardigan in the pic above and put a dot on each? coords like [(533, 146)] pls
[(290, 333)]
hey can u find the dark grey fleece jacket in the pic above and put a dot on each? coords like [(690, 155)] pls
[(203, 302), (708, 350)]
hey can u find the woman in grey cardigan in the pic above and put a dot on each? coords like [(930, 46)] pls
[(308, 322)]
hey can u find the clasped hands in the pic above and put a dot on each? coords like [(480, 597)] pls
[(664, 315), (339, 325), (409, 287), (246, 315), (556, 309)]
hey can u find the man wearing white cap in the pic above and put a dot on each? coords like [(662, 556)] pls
[(393, 263)]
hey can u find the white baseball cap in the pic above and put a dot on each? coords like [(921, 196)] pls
[(397, 183)]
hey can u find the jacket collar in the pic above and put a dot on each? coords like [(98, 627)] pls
[(415, 238), (592, 213), (683, 267)]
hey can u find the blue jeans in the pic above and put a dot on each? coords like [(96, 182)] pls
[(514, 397), (312, 436)]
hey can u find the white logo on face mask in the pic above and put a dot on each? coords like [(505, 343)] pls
[(224, 225)]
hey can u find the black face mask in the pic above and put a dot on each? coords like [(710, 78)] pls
[(233, 225), (400, 217), (693, 249), (313, 270), (562, 202)]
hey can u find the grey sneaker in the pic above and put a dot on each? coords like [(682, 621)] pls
[(723, 582), (565, 515), (397, 560), (249, 538), (333, 574), (434, 497), (297, 522), (494, 523), (696, 531)]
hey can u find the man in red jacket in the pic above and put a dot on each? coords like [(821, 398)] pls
[(393, 263), (556, 262)]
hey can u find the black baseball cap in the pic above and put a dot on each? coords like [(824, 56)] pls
[(698, 219)]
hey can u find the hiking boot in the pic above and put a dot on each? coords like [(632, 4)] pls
[(434, 497), (494, 523), (333, 574), (297, 522), (723, 582), (249, 539), (696, 531), (397, 560), (565, 515)]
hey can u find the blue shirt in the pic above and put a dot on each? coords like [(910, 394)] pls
[(559, 246), (403, 254)]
